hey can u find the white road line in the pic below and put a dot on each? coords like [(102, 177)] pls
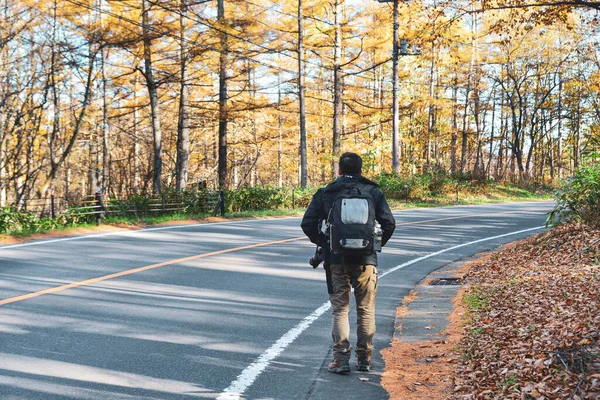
[(121, 233), (249, 375), (253, 371), (416, 260)]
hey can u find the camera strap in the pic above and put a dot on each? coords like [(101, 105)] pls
[(328, 277)]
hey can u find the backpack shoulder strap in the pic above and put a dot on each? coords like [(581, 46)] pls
[(375, 192), (351, 188), (355, 187)]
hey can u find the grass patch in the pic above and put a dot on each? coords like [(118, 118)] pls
[(476, 331), (510, 381), (477, 300)]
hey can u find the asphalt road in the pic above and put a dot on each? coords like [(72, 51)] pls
[(210, 310)]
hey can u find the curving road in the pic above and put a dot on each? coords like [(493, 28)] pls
[(224, 310)]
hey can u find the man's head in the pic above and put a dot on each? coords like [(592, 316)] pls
[(350, 164)]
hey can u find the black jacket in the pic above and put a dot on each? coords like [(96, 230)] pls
[(322, 202)]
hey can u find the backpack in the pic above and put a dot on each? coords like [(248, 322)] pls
[(351, 221)]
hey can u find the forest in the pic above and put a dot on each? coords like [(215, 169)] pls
[(133, 97)]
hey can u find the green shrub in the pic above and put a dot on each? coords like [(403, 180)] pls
[(579, 198), (256, 198), (302, 197), (420, 186), (394, 187), (133, 204), (268, 198), (15, 223), (417, 187)]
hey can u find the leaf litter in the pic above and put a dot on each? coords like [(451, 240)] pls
[(526, 327), (533, 326)]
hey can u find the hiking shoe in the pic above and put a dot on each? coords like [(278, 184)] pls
[(339, 367), (363, 364)]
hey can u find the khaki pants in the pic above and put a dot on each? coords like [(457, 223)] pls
[(364, 293)]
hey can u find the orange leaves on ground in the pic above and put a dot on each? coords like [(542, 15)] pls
[(534, 327)]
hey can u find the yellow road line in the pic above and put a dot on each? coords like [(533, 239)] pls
[(140, 269), (196, 257)]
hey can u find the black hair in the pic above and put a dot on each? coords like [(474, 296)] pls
[(351, 164)]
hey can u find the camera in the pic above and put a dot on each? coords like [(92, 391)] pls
[(317, 258), (377, 236)]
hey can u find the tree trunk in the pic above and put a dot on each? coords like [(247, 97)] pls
[(551, 162), (235, 165), (105, 131), (430, 117), (337, 91), (463, 156), (136, 141), (105, 182), (577, 147), (280, 139), (154, 106), (491, 151), (478, 132), (183, 124), (3, 163), (502, 138), (559, 151), (453, 140), (223, 112), (3, 111), (543, 155), (53, 134), (395, 104), (254, 167), (301, 95)]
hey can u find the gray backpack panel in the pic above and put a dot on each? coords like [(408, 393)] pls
[(351, 223)]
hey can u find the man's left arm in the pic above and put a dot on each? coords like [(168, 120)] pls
[(384, 216)]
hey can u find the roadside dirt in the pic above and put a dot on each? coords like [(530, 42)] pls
[(421, 370), (424, 370)]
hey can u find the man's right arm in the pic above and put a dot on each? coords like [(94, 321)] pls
[(312, 216)]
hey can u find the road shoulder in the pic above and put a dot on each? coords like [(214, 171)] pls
[(420, 361)]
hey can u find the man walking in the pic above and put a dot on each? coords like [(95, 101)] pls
[(343, 219)]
